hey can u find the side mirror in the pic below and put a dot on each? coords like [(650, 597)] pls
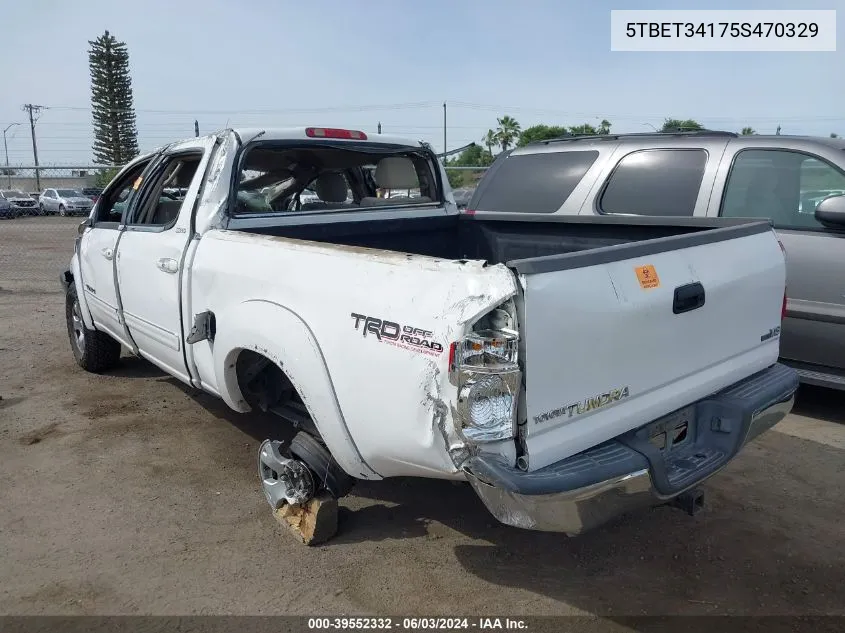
[(87, 223), (830, 212)]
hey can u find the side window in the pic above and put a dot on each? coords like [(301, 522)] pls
[(780, 185), (162, 198), (533, 183), (117, 198), (818, 181), (662, 182)]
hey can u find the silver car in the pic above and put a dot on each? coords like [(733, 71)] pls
[(64, 202), (796, 182)]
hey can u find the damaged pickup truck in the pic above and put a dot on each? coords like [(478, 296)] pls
[(569, 368)]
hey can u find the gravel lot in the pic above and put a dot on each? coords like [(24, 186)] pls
[(132, 494)]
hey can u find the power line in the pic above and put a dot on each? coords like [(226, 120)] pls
[(359, 108), (625, 117)]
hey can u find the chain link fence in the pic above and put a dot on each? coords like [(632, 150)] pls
[(40, 209), (35, 180), (464, 180)]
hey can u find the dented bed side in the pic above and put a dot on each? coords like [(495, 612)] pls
[(380, 322)]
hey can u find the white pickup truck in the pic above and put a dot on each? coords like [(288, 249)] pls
[(570, 368)]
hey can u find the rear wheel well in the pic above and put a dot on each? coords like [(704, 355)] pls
[(266, 387)]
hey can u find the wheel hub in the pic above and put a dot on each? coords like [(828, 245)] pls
[(284, 480), (78, 326)]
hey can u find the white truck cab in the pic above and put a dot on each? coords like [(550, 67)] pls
[(569, 368)]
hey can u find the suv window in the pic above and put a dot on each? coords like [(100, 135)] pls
[(661, 182), (533, 183), (782, 185)]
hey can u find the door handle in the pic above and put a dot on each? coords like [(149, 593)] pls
[(167, 265), (108, 253), (687, 298)]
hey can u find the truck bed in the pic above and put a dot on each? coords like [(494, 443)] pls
[(622, 320), (500, 238)]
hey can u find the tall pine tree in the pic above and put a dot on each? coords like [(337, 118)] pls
[(115, 134)]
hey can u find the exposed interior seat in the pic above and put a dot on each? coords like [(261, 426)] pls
[(395, 172)]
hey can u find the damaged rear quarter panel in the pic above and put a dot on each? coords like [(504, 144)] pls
[(384, 322)]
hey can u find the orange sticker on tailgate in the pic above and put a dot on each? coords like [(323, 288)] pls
[(647, 276)]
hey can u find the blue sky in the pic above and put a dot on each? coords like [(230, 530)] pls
[(355, 63)]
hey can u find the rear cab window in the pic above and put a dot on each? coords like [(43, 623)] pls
[(532, 183), (657, 182), (289, 177)]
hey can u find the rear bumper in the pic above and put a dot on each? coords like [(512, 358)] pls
[(627, 473)]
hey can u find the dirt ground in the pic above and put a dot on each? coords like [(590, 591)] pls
[(132, 494)]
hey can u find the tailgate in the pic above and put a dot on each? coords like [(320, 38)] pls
[(617, 337)]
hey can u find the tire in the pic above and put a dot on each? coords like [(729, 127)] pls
[(41, 210), (328, 475), (94, 351), (62, 211)]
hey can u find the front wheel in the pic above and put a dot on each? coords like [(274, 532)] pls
[(94, 351), (62, 211)]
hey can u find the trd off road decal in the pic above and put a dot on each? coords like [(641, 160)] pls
[(392, 333)]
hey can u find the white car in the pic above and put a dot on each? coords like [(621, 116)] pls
[(569, 368), (64, 202)]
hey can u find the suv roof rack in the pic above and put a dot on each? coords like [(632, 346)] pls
[(615, 137)]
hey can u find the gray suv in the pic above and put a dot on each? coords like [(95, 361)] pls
[(796, 182)]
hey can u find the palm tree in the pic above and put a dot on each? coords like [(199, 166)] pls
[(604, 127), (747, 131), (490, 140), (508, 131)]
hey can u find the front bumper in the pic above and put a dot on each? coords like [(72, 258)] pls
[(630, 472)]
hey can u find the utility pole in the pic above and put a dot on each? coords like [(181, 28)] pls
[(445, 149), (6, 149), (33, 111), (379, 127), (196, 128)]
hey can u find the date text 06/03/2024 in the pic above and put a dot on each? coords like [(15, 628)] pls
[(417, 624)]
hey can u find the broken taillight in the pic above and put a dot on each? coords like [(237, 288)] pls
[(331, 132), (484, 365)]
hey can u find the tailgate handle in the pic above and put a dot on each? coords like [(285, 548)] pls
[(688, 297)]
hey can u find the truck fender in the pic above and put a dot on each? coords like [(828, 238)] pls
[(282, 336), (74, 276)]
